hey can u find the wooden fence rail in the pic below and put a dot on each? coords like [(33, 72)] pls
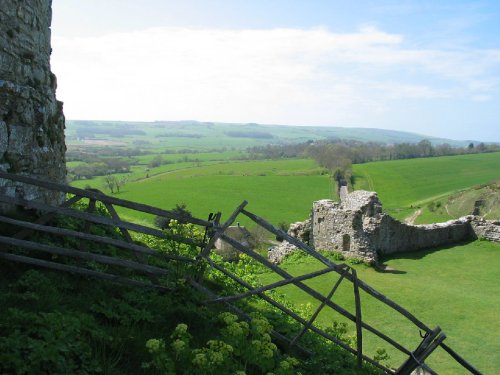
[(99, 196), (214, 231)]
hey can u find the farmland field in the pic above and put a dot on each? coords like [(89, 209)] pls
[(405, 184), (283, 190), (279, 190)]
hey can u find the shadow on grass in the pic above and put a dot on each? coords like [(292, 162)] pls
[(414, 255), (419, 254), (384, 268)]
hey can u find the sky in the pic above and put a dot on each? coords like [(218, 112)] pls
[(428, 67)]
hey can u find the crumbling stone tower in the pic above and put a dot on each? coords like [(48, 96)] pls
[(31, 119), (341, 226)]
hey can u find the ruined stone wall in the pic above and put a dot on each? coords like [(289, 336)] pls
[(238, 233), (339, 226), (31, 119), (300, 230), (486, 229), (388, 235), (356, 227)]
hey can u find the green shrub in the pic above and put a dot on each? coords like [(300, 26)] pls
[(238, 347), (46, 343)]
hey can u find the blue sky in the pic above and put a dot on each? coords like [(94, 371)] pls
[(426, 67)]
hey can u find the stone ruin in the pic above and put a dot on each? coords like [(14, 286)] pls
[(238, 233), (356, 227), (31, 119)]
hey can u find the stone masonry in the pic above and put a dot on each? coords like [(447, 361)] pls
[(31, 119), (238, 233), (356, 227)]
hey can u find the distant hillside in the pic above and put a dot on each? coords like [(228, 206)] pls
[(406, 185), (204, 135)]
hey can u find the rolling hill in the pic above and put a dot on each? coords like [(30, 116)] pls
[(204, 135)]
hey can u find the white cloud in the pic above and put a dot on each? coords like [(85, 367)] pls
[(292, 76)]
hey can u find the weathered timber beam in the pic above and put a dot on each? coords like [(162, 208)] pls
[(93, 238), (86, 228), (46, 218), (103, 198), (368, 289), (220, 230), (359, 330), (417, 357), (270, 286), (123, 231), (460, 360), (94, 218), (297, 317), (78, 270), (318, 310), (83, 255), (313, 293)]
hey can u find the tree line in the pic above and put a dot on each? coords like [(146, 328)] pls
[(100, 168), (338, 155)]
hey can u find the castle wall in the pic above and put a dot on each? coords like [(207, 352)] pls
[(31, 119), (338, 229), (357, 228), (486, 229), (388, 235)]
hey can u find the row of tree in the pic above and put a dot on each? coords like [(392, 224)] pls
[(338, 156), (103, 167), (95, 154), (361, 152)]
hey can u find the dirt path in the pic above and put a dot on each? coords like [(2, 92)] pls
[(446, 208), (411, 219)]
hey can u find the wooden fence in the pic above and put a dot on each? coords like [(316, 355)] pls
[(146, 265)]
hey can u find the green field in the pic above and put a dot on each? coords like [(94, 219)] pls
[(455, 288), (279, 190), (283, 190), (403, 185)]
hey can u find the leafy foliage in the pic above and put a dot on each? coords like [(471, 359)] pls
[(47, 342), (61, 323), (239, 347)]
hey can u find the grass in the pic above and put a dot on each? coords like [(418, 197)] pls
[(455, 288), (290, 196), (279, 190), (463, 203), (405, 184)]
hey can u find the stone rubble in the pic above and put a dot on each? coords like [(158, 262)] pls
[(300, 230)]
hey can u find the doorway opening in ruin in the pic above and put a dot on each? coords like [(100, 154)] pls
[(346, 242)]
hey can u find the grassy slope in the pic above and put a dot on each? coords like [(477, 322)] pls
[(279, 190), (455, 288), (462, 203), (404, 183)]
